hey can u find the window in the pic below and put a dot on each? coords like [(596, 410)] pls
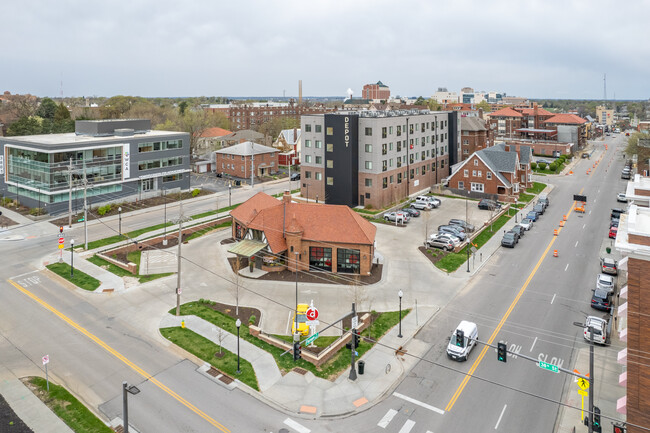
[(477, 187), (465, 151), (368, 148), (320, 258), (422, 158), (412, 174), (319, 144), (390, 145), (348, 261), (473, 173), (411, 128), (330, 181), (368, 182), (384, 149), (307, 127), (222, 164), (390, 162), (479, 173), (329, 147), (319, 128), (442, 164), (475, 162), (308, 159), (384, 165), (399, 131), (424, 170), (488, 175), (422, 129), (367, 195), (465, 142), (399, 146), (307, 143), (308, 175), (368, 165), (384, 132), (465, 173), (399, 177), (242, 168), (391, 178), (390, 129), (319, 176), (368, 132), (172, 178), (329, 131), (330, 163), (319, 160), (461, 185), (384, 183), (411, 158)]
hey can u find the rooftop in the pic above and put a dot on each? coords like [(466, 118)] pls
[(246, 148), (70, 138), (565, 118), (633, 237), (505, 112)]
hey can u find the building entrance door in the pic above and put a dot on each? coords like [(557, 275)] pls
[(361, 200)]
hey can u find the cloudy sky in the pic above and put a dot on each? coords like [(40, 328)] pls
[(533, 48)]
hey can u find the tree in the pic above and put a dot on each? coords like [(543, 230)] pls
[(433, 105), (420, 101), (633, 142), (25, 126), (61, 114), (23, 105), (484, 106), (273, 126), (47, 109), (182, 107), (116, 106)]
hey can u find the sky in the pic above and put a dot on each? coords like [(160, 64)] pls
[(535, 49)]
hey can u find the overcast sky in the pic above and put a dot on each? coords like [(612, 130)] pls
[(537, 49)]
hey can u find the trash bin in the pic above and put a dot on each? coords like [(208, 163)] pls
[(362, 366)]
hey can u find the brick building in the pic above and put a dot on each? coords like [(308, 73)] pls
[(288, 143), (505, 122), (498, 172), (570, 127), (331, 238), (474, 135), (240, 159), (378, 91), (376, 158)]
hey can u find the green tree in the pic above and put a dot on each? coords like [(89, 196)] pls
[(484, 106), (182, 107), (420, 101), (433, 105), (46, 109), (25, 126), (115, 107), (62, 113)]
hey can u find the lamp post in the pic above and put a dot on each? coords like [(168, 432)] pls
[(591, 374), (516, 210), (238, 324), (467, 234), (296, 312), (126, 390), (229, 194), (400, 294), (71, 258), (119, 215)]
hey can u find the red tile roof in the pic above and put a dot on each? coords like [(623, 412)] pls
[(506, 112), (540, 112), (215, 132), (564, 118), (335, 224)]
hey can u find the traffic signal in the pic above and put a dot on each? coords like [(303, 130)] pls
[(61, 229), (502, 352), (596, 426), (356, 337), (460, 338), (619, 428), (296, 350)]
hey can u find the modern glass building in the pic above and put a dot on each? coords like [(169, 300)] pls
[(120, 160)]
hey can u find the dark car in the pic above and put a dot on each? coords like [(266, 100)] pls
[(487, 204), (601, 300), (585, 155), (608, 266), (532, 215), (616, 213), (462, 223), (509, 240), (454, 230), (515, 234), (411, 211), (539, 208), (295, 176), (542, 161), (519, 230)]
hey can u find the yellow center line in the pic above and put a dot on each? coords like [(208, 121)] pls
[(471, 371), (121, 357)]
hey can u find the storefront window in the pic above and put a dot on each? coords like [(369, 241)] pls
[(320, 258), (347, 261)]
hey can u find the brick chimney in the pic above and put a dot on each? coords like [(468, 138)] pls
[(286, 197)]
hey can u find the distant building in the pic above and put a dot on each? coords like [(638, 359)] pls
[(376, 92), (242, 136), (605, 116), (474, 135), (570, 128), (288, 143), (240, 159), (442, 96), (210, 139)]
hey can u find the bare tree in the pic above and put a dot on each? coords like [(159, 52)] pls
[(220, 337), (23, 105), (358, 293)]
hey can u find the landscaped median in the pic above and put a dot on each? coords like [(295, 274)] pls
[(79, 278), (380, 323)]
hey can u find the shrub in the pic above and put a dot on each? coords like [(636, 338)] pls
[(533, 165), (552, 166), (103, 210), (195, 192), (36, 211), (368, 206), (562, 159), (542, 165), (251, 319)]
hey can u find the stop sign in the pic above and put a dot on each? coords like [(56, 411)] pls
[(312, 313)]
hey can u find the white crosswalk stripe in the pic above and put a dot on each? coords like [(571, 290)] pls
[(408, 425), (383, 423)]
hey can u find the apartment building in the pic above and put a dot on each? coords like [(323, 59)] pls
[(378, 91), (116, 160), (241, 159), (604, 116), (375, 158), (475, 135)]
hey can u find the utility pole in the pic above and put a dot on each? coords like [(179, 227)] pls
[(181, 218), (70, 195), (591, 379), (252, 164), (85, 209), (353, 369)]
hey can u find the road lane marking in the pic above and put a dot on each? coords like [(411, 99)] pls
[(481, 355), (576, 245), (121, 357), (553, 298), (419, 403), (566, 267), (408, 425), (594, 200), (297, 427), (500, 416), (383, 423), (531, 347), (584, 225)]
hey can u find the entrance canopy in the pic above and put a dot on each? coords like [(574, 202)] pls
[(247, 248)]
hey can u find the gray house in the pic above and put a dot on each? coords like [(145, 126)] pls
[(120, 160)]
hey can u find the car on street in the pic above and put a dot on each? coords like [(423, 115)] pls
[(612, 231), (295, 176), (509, 240), (585, 155), (455, 241), (601, 300), (487, 204), (301, 313), (526, 223), (605, 282), (616, 213), (532, 215), (542, 161), (443, 242), (608, 266), (620, 197), (539, 208), (625, 175), (454, 230), (411, 211), (462, 223), (543, 199), (399, 216), (599, 326), (519, 230)]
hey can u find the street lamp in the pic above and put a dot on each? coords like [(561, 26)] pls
[(119, 215), (400, 294), (238, 324), (126, 390), (296, 313), (230, 194), (516, 210), (71, 258)]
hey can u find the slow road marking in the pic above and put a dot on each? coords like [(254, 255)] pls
[(121, 357), (534, 341)]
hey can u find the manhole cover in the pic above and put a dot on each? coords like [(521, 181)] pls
[(300, 370), (283, 430), (213, 372)]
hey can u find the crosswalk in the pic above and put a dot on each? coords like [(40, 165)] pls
[(389, 421)]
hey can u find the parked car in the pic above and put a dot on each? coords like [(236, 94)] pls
[(616, 213), (608, 266), (626, 175), (303, 329), (462, 223), (516, 235), (585, 155), (422, 205), (442, 242), (605, 282), (542, 161), (509, 240), (487, 204), (532, 215), (612, 231), (539, 208), (601, 300), (295, 176), (543, 199), (435, 202), (526, 223), (519, 230), (454, 230), (411, 211), (455, 241), (614, 223), (620, 197), (599, 326), (397, 216)]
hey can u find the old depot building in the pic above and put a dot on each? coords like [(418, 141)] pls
[(275, 234)]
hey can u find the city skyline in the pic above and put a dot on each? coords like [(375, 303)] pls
[(534, 49)]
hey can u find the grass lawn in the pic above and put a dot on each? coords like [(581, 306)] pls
[(453, 261), (206, 350), (80, 279), (280, 194), (214, 212), (77, 416), (96, 260), (525, 198), (536, 188), (338, 363)]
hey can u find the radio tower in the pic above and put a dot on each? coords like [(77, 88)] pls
[(605, 87)]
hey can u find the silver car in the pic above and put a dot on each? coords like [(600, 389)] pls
[(605, 282), (526, 223)]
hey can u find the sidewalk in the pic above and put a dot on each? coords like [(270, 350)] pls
[(312, 396)]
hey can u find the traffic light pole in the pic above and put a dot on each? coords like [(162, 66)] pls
[(591, 379), (353, 370)]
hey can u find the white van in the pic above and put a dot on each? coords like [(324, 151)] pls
[(435, 202), (462, 341)]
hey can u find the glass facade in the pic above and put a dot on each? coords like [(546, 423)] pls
[(347, 261), (320, 258)]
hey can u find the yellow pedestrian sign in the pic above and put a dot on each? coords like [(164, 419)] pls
[(583, 383)]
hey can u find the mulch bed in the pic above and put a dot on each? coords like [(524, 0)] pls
[(6, 222), (431, 258), (245, 313), (9, 421)]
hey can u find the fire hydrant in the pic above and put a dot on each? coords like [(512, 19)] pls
[(183, 324)]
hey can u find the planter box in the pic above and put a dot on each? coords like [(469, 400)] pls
[(266, 268)]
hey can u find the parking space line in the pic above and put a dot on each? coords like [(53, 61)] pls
[(500, 416), (408, 425), (566, 267), (297, 427), (534, 341), (552, 300), (576, 245)]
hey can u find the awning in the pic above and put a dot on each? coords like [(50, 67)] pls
[(622, 309), (623, 335), (622, 357), (247, 247), (622, 379), (623, 292), (621, 405), (622, 264)]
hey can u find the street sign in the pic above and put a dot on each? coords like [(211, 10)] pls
[(355, 322), (61, 246), (46, 359), (312, 322), (583, 383), (61, 240), (80, 220), (549, 367), (311, 339), (311, 313)]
